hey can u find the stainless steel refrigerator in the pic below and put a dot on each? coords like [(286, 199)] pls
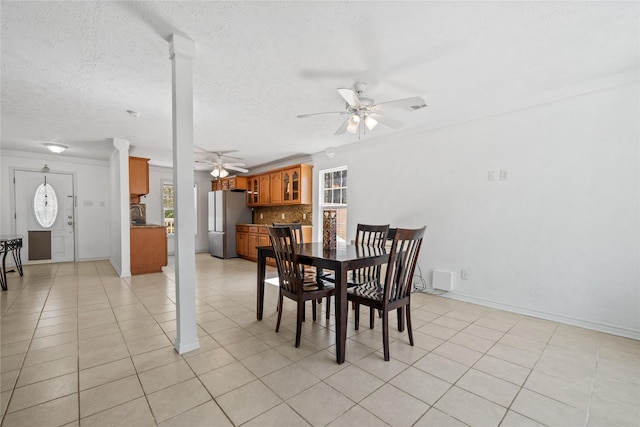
[(226, 209)]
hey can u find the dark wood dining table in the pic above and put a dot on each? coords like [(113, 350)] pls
[(339, 260)]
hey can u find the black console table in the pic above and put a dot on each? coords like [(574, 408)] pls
[(13, 244)]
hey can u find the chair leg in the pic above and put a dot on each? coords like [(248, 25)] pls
[(328, 308), (409, 330), (401, 319), (372, 317), (356, 307), (299, 319), (385, 334), (279, 312), (313, 309)]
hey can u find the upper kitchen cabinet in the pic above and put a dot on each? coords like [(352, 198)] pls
[(264, 189), (253, 187), (275, 188), (232, 183), (138, 177), (297, 185), (287, 186)]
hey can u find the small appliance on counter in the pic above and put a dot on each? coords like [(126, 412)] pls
[(138, 213), (226, 209)]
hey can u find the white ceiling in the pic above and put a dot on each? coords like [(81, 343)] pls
[(70, 70)]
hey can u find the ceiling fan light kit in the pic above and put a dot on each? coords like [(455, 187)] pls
[(220, 167), (362, 109), (219, 172)]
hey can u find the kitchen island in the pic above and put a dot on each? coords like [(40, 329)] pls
[(148, 248)]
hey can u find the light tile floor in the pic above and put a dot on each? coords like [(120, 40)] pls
[(81, 346)]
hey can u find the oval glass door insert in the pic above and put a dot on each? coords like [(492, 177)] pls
[(45, 205)]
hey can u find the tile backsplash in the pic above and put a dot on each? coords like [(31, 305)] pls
[(295, 213)]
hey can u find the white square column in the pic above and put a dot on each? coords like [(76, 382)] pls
[(182, 52)]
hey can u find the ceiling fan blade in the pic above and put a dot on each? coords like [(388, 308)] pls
[(226, 165), (350, 96), (235, 168), (387, 121), (302, 116), (412, 104), (343, 127), (205, 162)]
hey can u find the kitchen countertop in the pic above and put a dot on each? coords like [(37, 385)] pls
[(146, 226)]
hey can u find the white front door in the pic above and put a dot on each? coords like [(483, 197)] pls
[(50, 207)]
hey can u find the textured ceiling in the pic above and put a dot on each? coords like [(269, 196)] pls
[(70, 70)]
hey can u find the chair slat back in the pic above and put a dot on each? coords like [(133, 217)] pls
[(285, 250), (373, 236), (296, 227), (402, 263)]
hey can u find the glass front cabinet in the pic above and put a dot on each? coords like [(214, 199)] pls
[(286, 186), (291, 185)]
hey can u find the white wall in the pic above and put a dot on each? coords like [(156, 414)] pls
[(158, 176), (559, 239), (91, 180)]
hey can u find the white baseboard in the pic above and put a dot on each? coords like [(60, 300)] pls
[(93, 259), (185, 347), (587, 324)]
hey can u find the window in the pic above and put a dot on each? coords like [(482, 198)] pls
[(45, 205), (334, 197), (167, 207)]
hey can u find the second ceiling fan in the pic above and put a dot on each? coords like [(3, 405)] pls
[(221, 168), (363, 110)]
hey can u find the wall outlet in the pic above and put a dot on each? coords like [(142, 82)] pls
[(491, 176), (304, 216), (504, 174), (464, 274), (261, 216), (282, 216)]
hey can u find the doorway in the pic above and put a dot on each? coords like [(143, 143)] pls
[(45, 215)]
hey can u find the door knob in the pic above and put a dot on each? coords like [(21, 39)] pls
[(70, 223)]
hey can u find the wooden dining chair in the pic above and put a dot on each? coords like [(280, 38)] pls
[(374, 236), (395, 292), (371, 236), (293, 283), (296, 227)]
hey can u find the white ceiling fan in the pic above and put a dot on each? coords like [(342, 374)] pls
[(221, 167), (363, 110)]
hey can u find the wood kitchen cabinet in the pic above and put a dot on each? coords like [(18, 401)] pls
[(242, 240), (297, 185), (253, 185), (254, 241), (232, 183), (138, 178), (287, 186), (148, 246), (258, 235), (264, 190), (275, 188)]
